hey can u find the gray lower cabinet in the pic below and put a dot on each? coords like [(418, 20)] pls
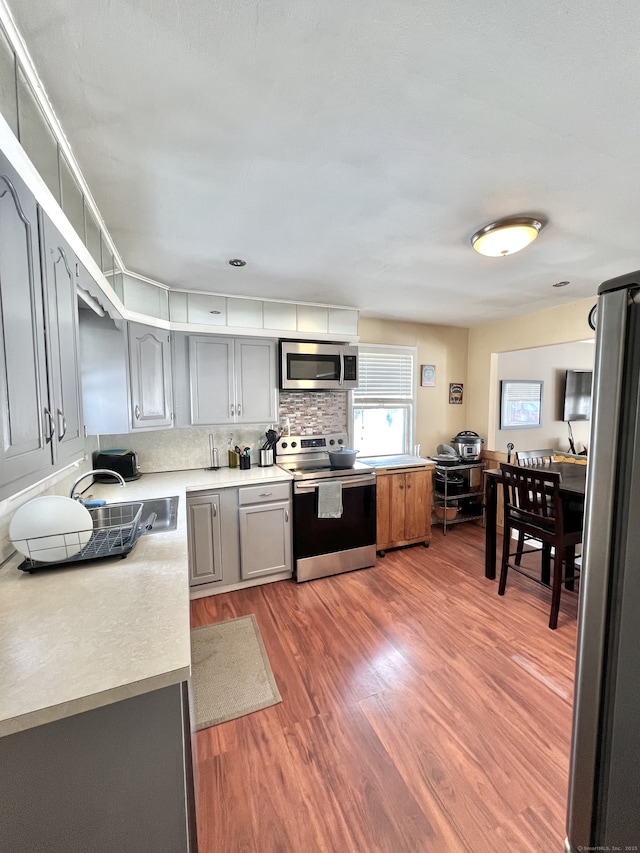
[(150, 377), (117, 778), (239, 534), (205, 539), (265, 530)]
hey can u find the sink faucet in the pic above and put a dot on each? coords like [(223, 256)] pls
[(76, 496)]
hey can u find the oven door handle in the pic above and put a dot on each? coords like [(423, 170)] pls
[(348, 483)]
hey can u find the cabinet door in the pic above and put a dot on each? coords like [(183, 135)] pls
[(417, 504), (204, 532), (255, 376), (397, 511), (24, 428), (265, 540), (60, 273), (211, 379), (150, 372)]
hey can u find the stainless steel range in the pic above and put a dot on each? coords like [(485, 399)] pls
[(334, 509)]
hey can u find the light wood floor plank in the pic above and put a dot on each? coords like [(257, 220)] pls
[(421, 712)]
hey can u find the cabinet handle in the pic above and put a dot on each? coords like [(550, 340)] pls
[(52, 426), (265, 494), (239, 410), (286, 515), (137, 412), (61, 432), (215, 510), (232, 410)]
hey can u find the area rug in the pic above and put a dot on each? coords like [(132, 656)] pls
[(230, 672)]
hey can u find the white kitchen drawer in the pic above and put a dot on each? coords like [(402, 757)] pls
[(264, 494)]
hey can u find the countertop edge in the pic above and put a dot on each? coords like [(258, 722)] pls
[(53, 713)]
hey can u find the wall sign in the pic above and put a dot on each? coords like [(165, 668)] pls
[(427, 375), (455, 393)]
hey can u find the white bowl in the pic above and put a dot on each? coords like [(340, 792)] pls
[(51, 528)]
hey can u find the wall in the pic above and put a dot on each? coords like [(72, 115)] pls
[(547, 364), (188, 448), (564, 324), (437, 421)]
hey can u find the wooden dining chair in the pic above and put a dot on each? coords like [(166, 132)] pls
[(533, 507), (528, 459), (534, 457)]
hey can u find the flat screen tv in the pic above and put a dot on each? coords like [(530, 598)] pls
[(577, 395)]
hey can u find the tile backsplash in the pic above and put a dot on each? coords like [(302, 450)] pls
[(179, 449), (314, 412)]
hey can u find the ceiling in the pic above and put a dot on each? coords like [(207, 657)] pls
[(348, 151)]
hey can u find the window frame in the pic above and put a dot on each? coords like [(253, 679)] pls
[(409, 405)]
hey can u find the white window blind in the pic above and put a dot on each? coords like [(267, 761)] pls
[(384, 375)]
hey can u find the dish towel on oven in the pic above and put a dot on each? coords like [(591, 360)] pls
[(330, 499)]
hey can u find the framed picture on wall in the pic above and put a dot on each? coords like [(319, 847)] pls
[(520, 404), (427, 375)]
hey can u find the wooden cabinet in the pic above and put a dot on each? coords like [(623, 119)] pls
[(205, 539), (40, 401), (150, 377), (403, 507), (265, 530), (231, 381)]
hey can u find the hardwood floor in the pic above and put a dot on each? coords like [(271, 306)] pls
[(420, 712)]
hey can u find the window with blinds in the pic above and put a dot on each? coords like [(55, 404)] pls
[(383, 402)]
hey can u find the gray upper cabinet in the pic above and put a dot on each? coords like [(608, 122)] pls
[(24, 449), (232, 380), (255, 373), (61, 273), (150, 377)]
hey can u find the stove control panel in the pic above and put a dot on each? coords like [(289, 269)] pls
[(309, 444)]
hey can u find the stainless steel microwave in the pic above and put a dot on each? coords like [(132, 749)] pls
[(308, 366)]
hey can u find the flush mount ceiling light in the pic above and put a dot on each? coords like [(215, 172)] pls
[(506, 236), (237, 262)]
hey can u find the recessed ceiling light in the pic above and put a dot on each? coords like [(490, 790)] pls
[(506, 236), (561, 283), (237, 262)]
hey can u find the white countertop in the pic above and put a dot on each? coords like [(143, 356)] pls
[(77, 638), (404, 460)]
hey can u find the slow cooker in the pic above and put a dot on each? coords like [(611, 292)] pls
[(467, 445)]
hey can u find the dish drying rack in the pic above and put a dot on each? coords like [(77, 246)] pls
[(116, 529)]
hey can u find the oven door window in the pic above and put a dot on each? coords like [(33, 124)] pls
[(302, 366), (356, 528)]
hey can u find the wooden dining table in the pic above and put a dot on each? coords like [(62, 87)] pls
[(572, 487)]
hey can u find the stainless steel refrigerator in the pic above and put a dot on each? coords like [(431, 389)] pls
[(604, 784)]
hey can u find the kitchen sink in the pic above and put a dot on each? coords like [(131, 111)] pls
[(165, 510), (116, 529)]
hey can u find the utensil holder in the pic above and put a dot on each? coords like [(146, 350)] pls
[(245, 462), (266, 458)]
